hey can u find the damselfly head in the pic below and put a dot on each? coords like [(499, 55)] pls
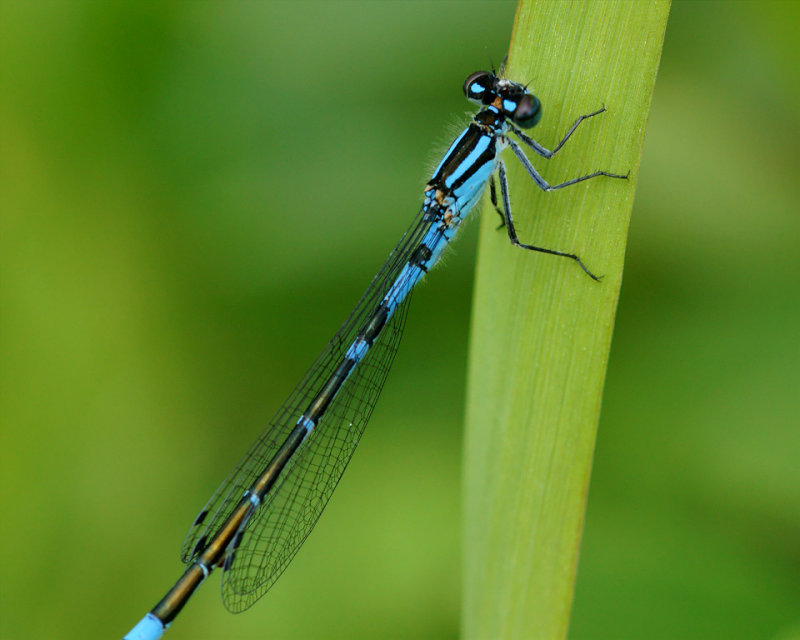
[(512, 98)]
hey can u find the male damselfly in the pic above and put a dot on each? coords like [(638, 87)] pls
[(259, 517)]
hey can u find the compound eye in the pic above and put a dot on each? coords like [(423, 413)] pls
[(528, 111), (479, 87)]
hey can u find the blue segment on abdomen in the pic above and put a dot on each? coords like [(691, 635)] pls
[(403, 284), (357, 350)]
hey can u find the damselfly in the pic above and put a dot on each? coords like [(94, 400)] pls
[(259, 517)]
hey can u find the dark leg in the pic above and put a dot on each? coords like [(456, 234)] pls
[(512, 232), (542, 183), (493, 196), (540, 149)]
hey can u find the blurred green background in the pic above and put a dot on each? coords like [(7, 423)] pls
[(194, 195)]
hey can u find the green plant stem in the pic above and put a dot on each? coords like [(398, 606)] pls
[(541, 329)]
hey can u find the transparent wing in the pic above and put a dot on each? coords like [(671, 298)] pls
[(272, 535), (277, 529)]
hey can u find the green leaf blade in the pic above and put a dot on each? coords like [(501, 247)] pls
[(541, 329)]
